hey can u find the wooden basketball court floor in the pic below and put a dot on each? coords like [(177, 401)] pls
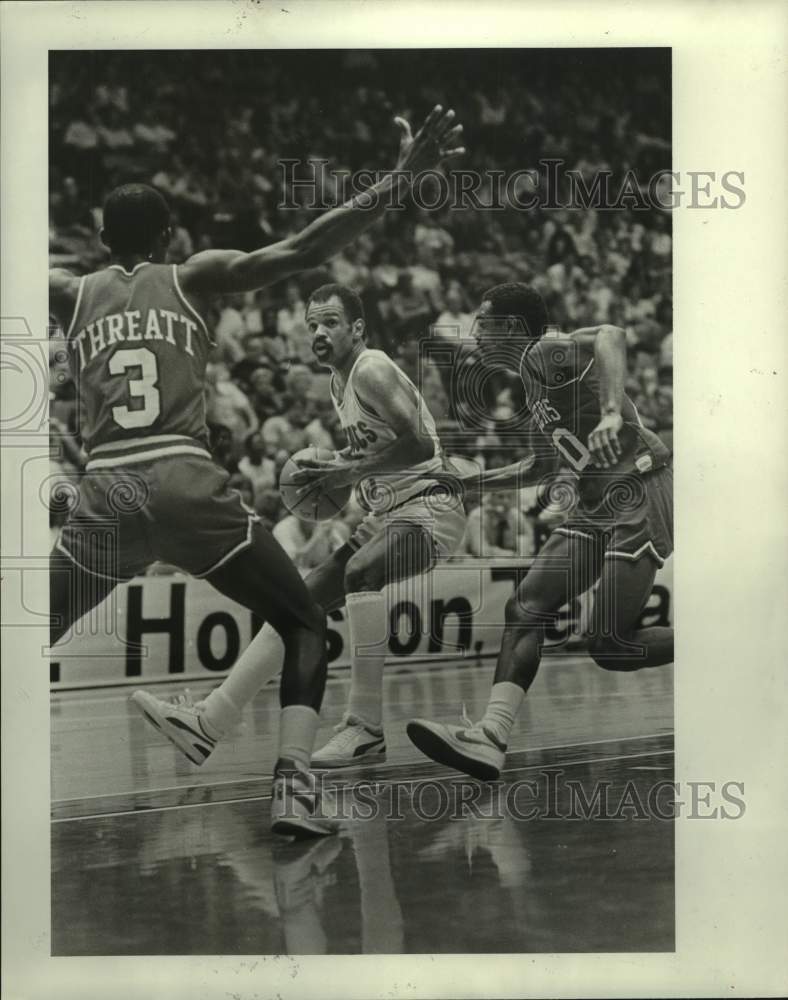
[(151, 856)]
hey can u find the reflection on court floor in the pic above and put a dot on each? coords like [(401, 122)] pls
[(566, 854)]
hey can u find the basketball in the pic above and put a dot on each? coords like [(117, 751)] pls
[(316, 504)]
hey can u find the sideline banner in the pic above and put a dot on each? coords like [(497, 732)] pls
[(174, 628)]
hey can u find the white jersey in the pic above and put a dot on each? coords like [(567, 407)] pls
[(368, 433)]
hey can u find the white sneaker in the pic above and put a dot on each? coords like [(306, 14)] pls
[(470, 748), (298, 809), (355, 742), (179, 720)]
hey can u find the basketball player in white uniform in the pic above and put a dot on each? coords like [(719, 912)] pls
[(393, 456)]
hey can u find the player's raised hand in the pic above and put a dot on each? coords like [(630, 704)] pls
[(437, 140), (603, 440)]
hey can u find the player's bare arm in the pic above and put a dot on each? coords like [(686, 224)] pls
[(219, 271), (394, 401), (518, 475), (63, 291), (528, 471), (608, 346)]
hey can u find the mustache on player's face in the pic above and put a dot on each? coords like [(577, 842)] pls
[(321, 341)]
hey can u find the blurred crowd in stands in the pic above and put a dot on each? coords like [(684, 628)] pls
[(210, 129)]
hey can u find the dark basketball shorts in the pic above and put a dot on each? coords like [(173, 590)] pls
[(635, 520), (174, 510)]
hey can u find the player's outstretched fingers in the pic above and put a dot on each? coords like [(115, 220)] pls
[(431, 119), (404, 126), (452, 136), (445, 124), (448, 143)]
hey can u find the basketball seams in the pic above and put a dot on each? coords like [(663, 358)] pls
[(314, 504)]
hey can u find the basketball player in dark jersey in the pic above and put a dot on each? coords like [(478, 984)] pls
[(591, 452), (138, 349)]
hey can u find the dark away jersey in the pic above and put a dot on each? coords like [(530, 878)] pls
[(562, 395), (138, 350)]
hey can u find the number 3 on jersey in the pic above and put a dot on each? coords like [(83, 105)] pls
[(143, 386)]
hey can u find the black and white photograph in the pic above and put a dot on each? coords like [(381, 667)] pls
[(350, 451)]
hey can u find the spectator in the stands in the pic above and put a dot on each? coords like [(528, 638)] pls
[(455, 320), (115, 136), (291, 325), (223, 447), (253, 346), (181, 245), (230, 332), (410, 309), (432, 236), (495, 526), (269, 506), (69, 211), (151, 131), (298, 386), (264, 396), (238, 481), (425, 276), (666, 352), (660, 242), (309, 543), (350, 267), (227, 404), (385, 268), (276, 353), (252, 311), (257, 465), (424, 374), (286, 432)]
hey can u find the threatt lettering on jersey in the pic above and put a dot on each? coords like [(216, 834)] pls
[(134, 326), (139, 350)]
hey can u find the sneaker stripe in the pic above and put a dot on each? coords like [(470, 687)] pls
[(438, 743), (150, 718), (494, 739), (173, 721), (364, 747), (463, 737)]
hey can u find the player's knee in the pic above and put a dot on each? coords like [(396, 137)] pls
[(608, 654), (316, 620), (311, 618), (522, 612), (361, 576)]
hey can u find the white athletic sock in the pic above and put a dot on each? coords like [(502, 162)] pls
[(297, 729), (260, 662), (502, 708), (369, 633)]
